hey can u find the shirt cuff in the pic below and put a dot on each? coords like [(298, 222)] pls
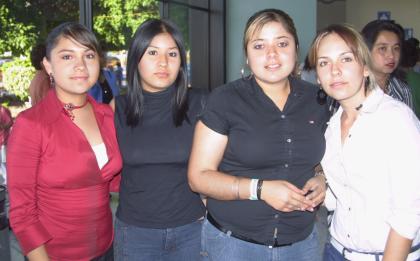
[(405, 225), (32, 237)]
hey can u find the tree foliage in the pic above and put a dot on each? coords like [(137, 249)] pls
[(23, 23), (16, 37), (17, 76), (115, 21)]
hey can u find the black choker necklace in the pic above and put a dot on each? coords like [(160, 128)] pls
[(69, 107)]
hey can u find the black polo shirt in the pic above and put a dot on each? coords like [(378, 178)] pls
[(266, 143)]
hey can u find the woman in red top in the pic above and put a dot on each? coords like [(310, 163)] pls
[(63, 158)]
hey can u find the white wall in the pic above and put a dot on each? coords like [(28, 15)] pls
[(404, 12), (303, 12)]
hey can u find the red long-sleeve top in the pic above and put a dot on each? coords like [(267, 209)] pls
[(58, 195)]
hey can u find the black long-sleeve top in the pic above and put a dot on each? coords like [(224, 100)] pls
[(154, 190)]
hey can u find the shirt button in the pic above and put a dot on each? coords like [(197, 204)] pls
[(282, 116), (286, 165), (289, 140), (276, 216), (349, 209), (348, 235)]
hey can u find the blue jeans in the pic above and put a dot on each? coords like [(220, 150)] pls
[(219, 246), (132, 243), (332, 254)]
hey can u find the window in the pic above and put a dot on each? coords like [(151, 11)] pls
[(202, 23)]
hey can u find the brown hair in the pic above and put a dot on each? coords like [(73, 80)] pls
[(257, 21), (353, 40)]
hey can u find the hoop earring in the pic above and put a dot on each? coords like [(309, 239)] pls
[(243, 76), (321, 96), (52, 81)]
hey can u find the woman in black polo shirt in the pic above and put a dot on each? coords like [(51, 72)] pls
[(254, 152)]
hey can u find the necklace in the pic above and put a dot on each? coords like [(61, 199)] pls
[(69, 107)]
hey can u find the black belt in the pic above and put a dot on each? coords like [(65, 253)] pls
[(244, 238)]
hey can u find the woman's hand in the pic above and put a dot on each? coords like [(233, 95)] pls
[(284, 196), (315, 190)]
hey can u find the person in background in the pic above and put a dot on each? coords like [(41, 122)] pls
[(371, 159), (306, 73), (416, 67), (384, 39), (40, 84), (6, 122), (158, 216), (106, 88), (254, 153), (410, 53), (63, 158), (119, 74)]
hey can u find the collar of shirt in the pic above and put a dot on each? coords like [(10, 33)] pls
[(370, 105)]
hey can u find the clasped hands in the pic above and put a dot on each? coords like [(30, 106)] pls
[(286, 197)]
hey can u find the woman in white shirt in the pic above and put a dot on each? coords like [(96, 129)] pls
[(372, 158)]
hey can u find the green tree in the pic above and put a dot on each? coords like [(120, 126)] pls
[(115, 21), (15, 36), (17, 75)]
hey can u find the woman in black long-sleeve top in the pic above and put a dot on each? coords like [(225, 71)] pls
[(158, 217)]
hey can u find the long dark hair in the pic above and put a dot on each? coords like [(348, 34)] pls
[(135, 97), (371, 31)]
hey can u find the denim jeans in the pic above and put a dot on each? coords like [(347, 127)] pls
[(219, 246), (132, 243), (107, 256), (332, 254)]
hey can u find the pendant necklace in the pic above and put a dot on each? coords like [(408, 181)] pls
[(69, 107)]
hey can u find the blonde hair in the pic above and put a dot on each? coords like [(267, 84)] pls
[(353, 40)]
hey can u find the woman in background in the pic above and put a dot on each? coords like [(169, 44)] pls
[(384, 39), (40, 84)]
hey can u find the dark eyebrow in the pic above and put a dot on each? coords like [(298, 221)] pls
[(175, 47), (72, 51)]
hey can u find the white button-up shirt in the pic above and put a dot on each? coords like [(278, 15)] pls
[(374, 177)]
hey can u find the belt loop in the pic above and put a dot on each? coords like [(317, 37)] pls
[(343, 252)]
